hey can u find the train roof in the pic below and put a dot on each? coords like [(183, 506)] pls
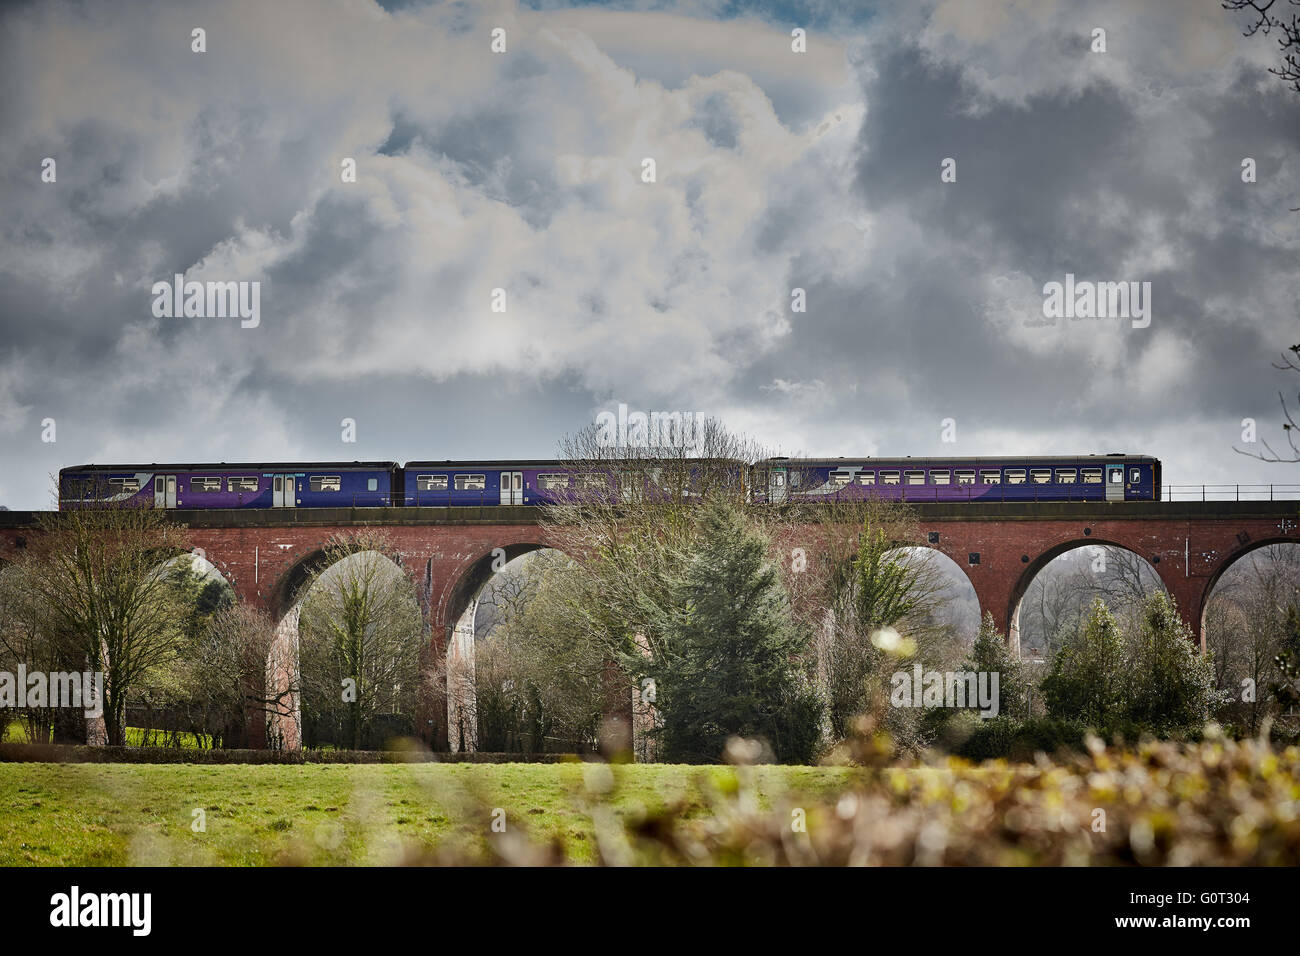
[(264, 466), (487, 463), (584, 463), (956, 459), (234, 466)]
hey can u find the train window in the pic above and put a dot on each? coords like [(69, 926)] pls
[(990, 476), (777, 479), (471, 482), (372, 484), (1015, 476), (940, 477), (552, 482), (1135, 475), (1091, 476), (840, 478), (591, 482), (1116, 476), (889, 477), (1040, 476), (794, 479), (1065, 476), (205, 484), (124, 486), (965, 476), (430, 482), (915, 477), (866, 477), (241, 484), (326, 483)]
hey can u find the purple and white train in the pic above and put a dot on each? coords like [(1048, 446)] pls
[(441, 484)]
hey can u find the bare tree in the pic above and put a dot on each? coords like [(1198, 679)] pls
[(99, 575), (1266, 21), (1052, 606), (360, 635), (222, 675), (1245, 623), (540, 684), (625, 522), (25, 642), (1057, 602), (853, 567), (1289, 427)]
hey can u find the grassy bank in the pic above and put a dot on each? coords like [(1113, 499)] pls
[(119, 814)]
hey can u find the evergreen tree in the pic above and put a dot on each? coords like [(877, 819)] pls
[(730, 663), (991, 655), (1170, 684), (1086, 680)]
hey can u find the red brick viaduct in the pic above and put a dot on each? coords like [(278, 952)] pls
[(448, 552)]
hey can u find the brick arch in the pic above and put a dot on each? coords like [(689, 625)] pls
[(288, 590), (461, 589), (1036, 565), (1221, 568), (452, 624), (213, 566), (221, 567), (284, 603)]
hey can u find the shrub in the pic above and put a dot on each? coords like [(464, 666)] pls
[(1087, 675), (1170, 684)]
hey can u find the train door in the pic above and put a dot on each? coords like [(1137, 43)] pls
[(283, 491), (1114, 482), (164, 491), (776, 484), (512, 487)]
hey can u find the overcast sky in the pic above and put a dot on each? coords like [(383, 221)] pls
[(522, 171)]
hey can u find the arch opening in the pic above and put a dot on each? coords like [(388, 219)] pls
[(346, 665), (1054, 593), (955, 611), (1250, 616), (519, 680)]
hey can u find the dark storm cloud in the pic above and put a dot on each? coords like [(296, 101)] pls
[(523, 171), (1066, 180)]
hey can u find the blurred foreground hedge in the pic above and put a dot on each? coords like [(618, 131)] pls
[(1213, 803)]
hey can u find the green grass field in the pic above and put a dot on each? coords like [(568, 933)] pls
[(129, 814)]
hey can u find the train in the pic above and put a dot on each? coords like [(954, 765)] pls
[(444, 484)]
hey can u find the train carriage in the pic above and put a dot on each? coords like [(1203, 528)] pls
[(523, 482), (441, 484), (223, 485), (1086, 478)]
